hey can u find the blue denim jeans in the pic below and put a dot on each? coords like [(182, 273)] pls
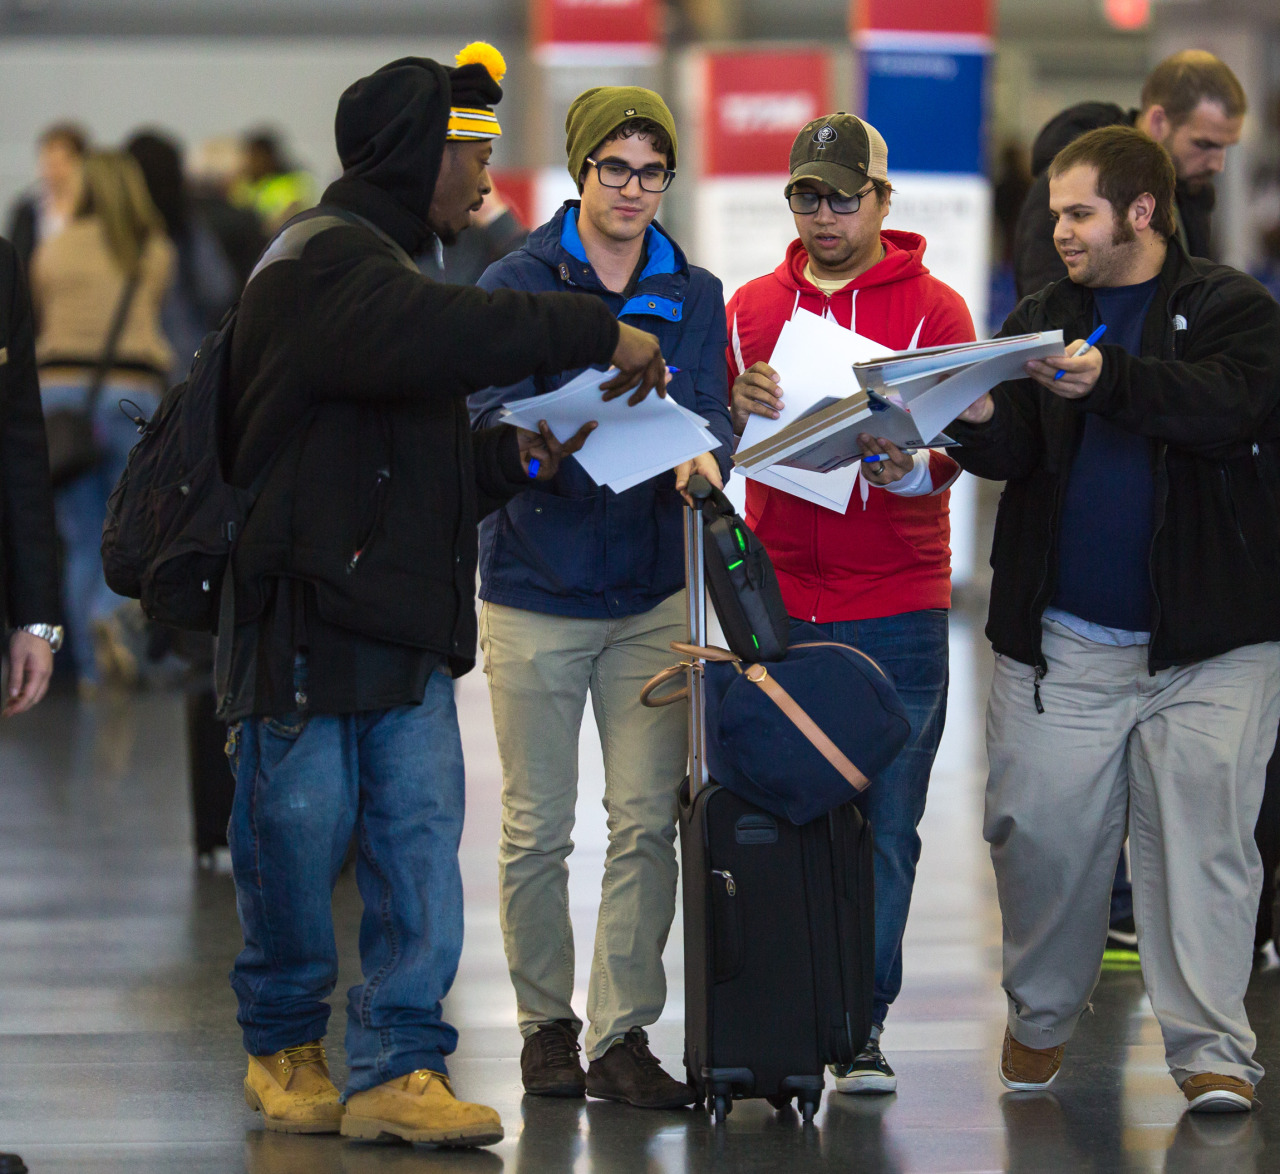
[(912, 649), (80, 507), (304, 785)]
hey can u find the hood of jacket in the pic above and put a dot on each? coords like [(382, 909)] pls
[(903, 259), (663, 282), (390, 133), (1068, 126)]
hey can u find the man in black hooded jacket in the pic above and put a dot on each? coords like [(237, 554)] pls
[(355, 605), (1192, 105)]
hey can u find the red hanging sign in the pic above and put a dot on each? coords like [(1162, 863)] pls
[(596, 31), (754, 104)]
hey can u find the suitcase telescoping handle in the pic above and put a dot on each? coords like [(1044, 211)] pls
[(696, 583)]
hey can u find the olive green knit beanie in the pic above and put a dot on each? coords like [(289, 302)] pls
[(597, 112)]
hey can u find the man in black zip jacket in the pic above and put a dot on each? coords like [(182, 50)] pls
[(1192, 105), (354, 591), (1135, 619)]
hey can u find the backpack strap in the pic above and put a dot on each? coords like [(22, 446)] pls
[(294, 237), (288, 245)]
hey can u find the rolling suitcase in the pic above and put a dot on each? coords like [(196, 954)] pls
[(779, 933)]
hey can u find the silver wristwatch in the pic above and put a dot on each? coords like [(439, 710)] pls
[(50, 632)]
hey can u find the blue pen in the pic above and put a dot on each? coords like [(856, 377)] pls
[(534, 466), (673, 370), (1088, 342)]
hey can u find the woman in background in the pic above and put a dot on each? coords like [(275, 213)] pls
[(115, 241)]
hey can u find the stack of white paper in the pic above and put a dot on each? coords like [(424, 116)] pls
[(934, 385), (631, 444), (907, 397), (813, 357)]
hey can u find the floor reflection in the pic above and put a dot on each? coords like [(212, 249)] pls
[(120, 1052)]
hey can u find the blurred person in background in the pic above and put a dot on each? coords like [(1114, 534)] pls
[(271, 185), (204, 283), (1192, 105), (115, 249), (40, 214), (1009, 193), (495, 231), (213, 170), (29, 609)]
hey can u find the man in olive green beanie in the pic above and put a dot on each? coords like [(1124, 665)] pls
[(583, 595), (597, 113)]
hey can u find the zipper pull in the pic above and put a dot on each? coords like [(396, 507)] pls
[(729, 886), (1036, 690)]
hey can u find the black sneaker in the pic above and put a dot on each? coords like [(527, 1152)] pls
[(630, 1073), (869, 1072), (549, 1064)]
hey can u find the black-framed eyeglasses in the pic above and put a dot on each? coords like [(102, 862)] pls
[(805, 203), (618, 175)]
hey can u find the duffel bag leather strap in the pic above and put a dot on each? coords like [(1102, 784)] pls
[(757, 674), (656, 682), (708, 652)]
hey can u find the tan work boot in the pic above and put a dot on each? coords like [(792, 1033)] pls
[(1209, 1093), (420, 1107), (293, 1092), (1025, 1069)]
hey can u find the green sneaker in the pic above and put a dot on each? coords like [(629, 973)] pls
[(869, 1072)]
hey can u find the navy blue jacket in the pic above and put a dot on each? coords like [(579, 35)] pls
[(570, 547)]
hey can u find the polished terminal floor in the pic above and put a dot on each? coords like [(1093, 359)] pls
[(119, 1049)]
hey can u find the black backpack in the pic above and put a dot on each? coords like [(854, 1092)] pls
[(173, 518), (744, 588)]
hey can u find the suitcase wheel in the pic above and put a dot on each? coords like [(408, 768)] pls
[(809, 1105), (780, 1101), (721, 1107)]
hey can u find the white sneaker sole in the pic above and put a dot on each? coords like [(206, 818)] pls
[(1219, 1100), (1026, 1085), (869, 1083)]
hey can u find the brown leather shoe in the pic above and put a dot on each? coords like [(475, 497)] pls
[(1025, 1069), (293, 1091), (1208, 1092)]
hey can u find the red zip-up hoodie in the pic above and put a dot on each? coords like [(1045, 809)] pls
[(887, 554)]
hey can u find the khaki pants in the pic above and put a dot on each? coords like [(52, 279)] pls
[(540, 669), (1181, 758)]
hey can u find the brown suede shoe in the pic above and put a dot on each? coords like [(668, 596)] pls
[(293, 1091), (420, 1106), (1209, 1093), (630, 1073), (549, 1064), (1025, 1069)]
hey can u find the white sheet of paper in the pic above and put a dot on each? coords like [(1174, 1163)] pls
[(813, 357), (631, 444)]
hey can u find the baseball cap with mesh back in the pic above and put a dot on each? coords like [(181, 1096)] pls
[(840, 150)]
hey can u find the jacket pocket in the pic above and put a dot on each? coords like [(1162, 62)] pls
[(549, 545)]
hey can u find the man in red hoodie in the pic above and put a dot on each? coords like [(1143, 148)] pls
[(877, 576)]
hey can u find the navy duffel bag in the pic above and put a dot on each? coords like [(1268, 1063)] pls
[(798, 736)]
